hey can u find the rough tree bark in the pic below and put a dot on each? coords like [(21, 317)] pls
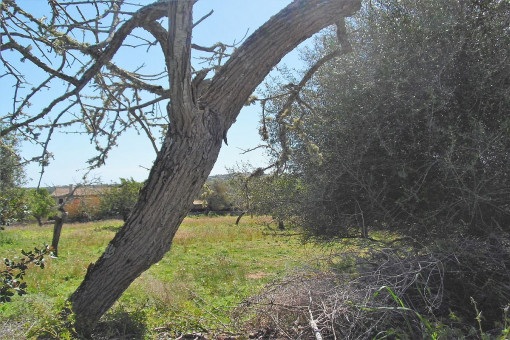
[(191, 147)]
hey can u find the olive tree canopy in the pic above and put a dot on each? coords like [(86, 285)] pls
[(410, 131)]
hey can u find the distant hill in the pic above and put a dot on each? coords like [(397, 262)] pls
[(221, 178)]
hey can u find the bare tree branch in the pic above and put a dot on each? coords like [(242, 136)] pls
[(25, 51), (203, 18)]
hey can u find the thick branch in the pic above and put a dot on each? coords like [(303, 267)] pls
[(250, 64), (160, 33), (341, 35), (179, 56), (210, 49)]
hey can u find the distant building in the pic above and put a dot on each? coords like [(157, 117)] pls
[(199, 207), (81, 202)]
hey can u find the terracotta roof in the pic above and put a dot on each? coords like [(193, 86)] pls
[(81, 191)]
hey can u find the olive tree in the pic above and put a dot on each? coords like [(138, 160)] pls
[(76, 50), (409, 132), (254, 192), (40, 204)]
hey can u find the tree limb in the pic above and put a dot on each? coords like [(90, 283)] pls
[(255, 58), (178, 64), (25, 52)]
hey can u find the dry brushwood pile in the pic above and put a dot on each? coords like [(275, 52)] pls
[(455, 289)]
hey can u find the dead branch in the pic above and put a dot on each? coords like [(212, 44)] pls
[(313, 323)]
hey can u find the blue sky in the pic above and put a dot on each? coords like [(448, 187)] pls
[(134, 154)]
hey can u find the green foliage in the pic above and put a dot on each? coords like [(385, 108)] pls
[(56, 324), (255, 193), (243, 183), (278, 196), (40, 203), (12, 277), (12, 204), (120, 199), (217, 196), (411, 130), (11, 171)]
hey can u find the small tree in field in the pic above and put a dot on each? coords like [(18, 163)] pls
[(76, 47), (255, 193), (120, 199), (217, 196), (40, 204)]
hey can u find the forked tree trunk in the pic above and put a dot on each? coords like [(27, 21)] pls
[(193, 143)]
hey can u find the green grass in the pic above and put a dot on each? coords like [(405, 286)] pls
[(213, 265)]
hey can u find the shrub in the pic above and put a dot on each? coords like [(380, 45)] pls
[(40, 203), (217, 196), (12, 277), (120, 199)]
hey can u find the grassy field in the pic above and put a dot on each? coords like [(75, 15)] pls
[(213, 265)]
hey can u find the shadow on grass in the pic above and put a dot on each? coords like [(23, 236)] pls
[(109, 227), (120, 324)]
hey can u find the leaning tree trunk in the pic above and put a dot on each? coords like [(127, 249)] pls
[(198, 126), (176, 179), (57, 230), (239, 217), (57, 227)]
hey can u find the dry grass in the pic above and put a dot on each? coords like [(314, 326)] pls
[(394, 293)]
